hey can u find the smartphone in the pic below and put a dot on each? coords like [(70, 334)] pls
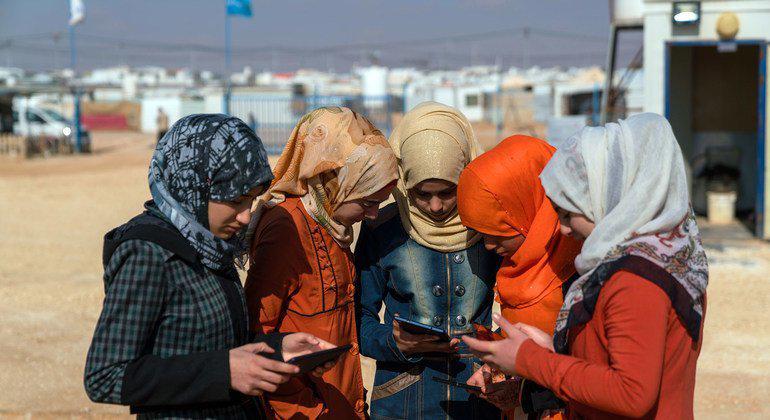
[(456, 384), (485, 333), (413, 327), (311, 361)]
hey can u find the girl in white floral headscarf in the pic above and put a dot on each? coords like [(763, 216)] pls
[(631, 325)]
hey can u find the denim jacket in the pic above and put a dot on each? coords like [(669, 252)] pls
[(448, 290)]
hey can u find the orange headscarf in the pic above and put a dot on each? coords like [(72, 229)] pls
[(499, 193)]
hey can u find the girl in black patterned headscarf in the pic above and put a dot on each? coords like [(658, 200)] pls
[(172, 340), (206, 158)]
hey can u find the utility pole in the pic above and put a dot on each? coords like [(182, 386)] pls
[(525, 34), (609, 72), (227, 60), (75, 88)]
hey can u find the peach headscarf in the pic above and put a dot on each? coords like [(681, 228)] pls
[(334, 155), (499, 194)]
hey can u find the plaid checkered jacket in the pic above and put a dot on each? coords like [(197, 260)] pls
[(161, 343)]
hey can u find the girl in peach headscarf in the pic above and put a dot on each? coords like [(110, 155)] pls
[(500, 196), (334, 172)]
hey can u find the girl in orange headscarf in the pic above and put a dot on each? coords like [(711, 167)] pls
[(500, 196)]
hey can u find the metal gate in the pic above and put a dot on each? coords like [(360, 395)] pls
[(273, 117)]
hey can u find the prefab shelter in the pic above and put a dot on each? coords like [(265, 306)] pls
[(706, 70), (175, 107), (469, 99)]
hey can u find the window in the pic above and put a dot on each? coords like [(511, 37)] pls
[(34, 118), (55, 116), (472, 100)]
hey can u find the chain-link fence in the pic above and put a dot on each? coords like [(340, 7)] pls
[(274, 117)]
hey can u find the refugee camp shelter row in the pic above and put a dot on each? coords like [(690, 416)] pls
[(469, 99), (709, 78)]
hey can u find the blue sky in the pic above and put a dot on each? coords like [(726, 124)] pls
[(324, 34)]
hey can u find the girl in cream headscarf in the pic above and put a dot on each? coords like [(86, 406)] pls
[(419, 260)]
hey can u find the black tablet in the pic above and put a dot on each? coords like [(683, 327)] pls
[(311, 361), (456, 384), (413, 327)]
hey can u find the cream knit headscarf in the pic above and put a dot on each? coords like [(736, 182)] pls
[(629, 179), (433, 141)]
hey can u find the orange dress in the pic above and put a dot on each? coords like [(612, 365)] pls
[(301, 280), (634, 358)]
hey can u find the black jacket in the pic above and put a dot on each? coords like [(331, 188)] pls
[(162, 342)]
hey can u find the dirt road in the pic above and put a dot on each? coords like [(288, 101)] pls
[(54, 212)]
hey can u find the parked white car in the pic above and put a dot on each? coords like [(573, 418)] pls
[(34, 121)]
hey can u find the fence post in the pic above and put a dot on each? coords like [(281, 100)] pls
[(24, 142), (388, 122), (500, 114), (403, 99), (595, 113)]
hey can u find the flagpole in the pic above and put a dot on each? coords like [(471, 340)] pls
[(75, 92), (227, 60)]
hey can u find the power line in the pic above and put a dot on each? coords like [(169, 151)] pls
[(498, 45), (34, 49), (470, 37)]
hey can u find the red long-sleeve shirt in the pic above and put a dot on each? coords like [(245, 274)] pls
[(634, 358)]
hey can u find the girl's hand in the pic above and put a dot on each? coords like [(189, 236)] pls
[(252, 374), (300, 344), (500, 355), (421, 343), (540, 337), (496, 388)]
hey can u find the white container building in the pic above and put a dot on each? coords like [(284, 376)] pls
[(705, 69)]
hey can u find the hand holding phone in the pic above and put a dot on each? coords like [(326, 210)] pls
[(485, 333), (494, 387), (453, 383), (412, 342), (416, 328), (300, 344), (309, 362), (252, 373)]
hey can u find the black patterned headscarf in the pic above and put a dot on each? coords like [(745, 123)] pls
[(206, 157)]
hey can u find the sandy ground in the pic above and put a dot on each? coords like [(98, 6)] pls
[(54, 212)]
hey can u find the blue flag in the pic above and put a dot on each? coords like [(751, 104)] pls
[(239, 7)]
